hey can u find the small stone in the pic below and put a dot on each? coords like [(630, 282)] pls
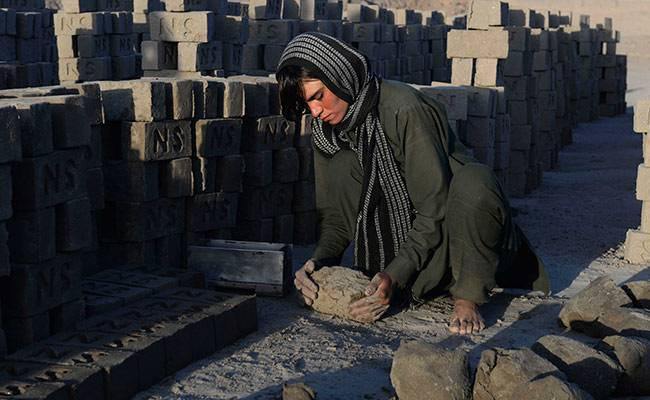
[(501, 371), (549, 387), (639, 291), (338, 287), (585, 308), (421, 369), (589, 368), (633, 353), (297, 391)]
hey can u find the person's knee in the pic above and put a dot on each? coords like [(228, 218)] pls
[(476, 188)]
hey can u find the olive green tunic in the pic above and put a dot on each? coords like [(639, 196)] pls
[(455, 243)]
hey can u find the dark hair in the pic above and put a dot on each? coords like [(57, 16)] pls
[(291, 100)]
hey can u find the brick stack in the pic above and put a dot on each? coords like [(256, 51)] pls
[(51, 227), (478, 56), (314, 19), (10, 151), (268, 34), (586, 74), (94, 45), (455, 99), (27, 47), (186, 39), (637, 241), (611, 72), (141, 10)]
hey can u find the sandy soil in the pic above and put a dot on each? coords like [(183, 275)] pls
[(577, 220)]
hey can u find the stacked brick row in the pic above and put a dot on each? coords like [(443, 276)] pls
[(637, 241), (147, 142), (51, 230), (480, 59), (186, 38), (612, 72), (27, 47), (94, 45), (586, 72), (117, 354)]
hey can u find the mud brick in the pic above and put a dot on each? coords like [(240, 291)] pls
[(118, 367), (121, 45), (520, 137), (643, 183), (279, 32), (199, 56), (204, 172), (7, 22), (115, 5), (4, 255), (477, 44), (267, 133), (65, 316), (32, 236), (305, 226), (235, 29), (23, 331), (519, 38), (304, 196), (78, 6), (482, 102), (87, 69), (272, 54), (488, 72), (306, 163), (158, 55), (176, 179), (88, 46), (462, 71), (140, 100), (28, 25), (483, 14), (132, 181), (185, 278), (120, 22), (229, 173), (362, 32), (516, 64), (454, 98), (34, 390), (155, 141), (123, 67), (259, 168), (232, 55), (480, 132), (251, 207), (71, 126), (195, 26), (126, 294), (95, 186), (518, 88), (73, 223), (7, 49), (6, 210), (186, 5), (283, 229), (255, 230), (10, 138), (49, 180), (233, 101), (211, 211), (264, 9), (45, 285), (79, 24), (281, 195), (252, 58), (303, 135), (218, 137), (151, 220), (285, 165), (97, 304), (642, 116), (359, 13)]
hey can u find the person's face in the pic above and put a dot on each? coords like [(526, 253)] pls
[(322, 102)]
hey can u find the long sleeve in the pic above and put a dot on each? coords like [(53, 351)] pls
[(334, 236), (418, 141)]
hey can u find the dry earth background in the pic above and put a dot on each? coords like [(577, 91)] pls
[(577, 220)]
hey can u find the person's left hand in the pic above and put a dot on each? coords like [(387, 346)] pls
[(377, 300)]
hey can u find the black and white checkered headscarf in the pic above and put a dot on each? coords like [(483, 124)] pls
[(384, 207)]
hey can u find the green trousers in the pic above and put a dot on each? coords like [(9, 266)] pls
[(481, 248)]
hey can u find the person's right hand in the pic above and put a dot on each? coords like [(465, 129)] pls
[(304, 284)]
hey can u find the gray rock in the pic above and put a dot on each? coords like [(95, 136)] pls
[(297, 391), (500, 372), (633, 354), (549, 387), (422, 371), (639, 291), (338, 287), (622, 321), (586, 307), (592, 370)]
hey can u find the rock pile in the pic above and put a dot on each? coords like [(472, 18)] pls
[(556, 365)]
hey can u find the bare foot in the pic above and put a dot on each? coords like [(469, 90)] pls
[(466, 319)]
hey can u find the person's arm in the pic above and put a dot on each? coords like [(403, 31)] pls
[(427, 175), (334, 237)]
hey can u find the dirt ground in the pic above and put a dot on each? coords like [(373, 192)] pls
[(577, 221)]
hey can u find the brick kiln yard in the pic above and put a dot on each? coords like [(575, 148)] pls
[(577, 220)]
